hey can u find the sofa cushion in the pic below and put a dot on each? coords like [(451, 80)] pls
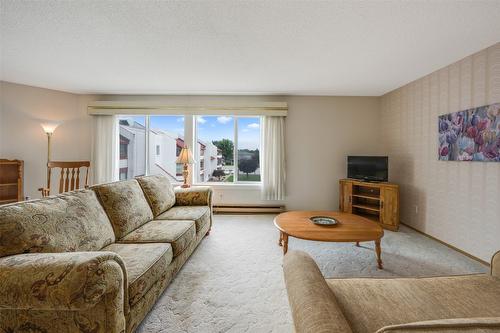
[(158, 191), (73, 221), (199, 214), (370, 304), (125, 204), (144, 263), (178, 233)]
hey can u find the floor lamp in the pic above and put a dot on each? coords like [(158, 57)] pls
[(49, 129)]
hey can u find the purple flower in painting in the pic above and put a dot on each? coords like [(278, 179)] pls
[(471, 132), (451, 137), (491, 152), (474, 120), (483, 124), (443, 125), (457, 129), (444, 151), (479, 139)]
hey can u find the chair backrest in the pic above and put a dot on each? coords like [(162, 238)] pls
[(69, 178)]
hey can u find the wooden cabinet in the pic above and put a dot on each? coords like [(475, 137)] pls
[(389, 204), (11, 181), (345, 197), (378, 202)]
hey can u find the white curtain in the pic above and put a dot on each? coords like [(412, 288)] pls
[(273, 158), (105, 147)]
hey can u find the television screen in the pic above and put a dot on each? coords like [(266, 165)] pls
[(369, 168)]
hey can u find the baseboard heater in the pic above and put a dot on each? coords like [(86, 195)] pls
[(247, 209)]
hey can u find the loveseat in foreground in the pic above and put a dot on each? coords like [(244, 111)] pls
[(96, 260), (461, 304)]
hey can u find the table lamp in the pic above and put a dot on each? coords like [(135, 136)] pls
[(185, 157)]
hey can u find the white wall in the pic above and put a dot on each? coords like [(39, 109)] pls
[(320, 133), (21, 136), (458, 202)]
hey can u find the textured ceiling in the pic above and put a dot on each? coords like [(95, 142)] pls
[(238, 47)]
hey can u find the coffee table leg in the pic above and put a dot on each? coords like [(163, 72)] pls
[(378, 250), (357, 243), (280, 242), (285, 243)]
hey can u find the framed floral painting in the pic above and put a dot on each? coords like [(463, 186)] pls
[(470, 135)]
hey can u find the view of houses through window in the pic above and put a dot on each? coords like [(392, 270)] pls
[(132, 147), (221, 142), (237, 140), (166, 138)]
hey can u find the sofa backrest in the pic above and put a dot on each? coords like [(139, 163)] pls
[(158, 191), (73, 221), (125, 204)]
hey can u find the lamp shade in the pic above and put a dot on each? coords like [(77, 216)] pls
[(185, 157), (49, 127)]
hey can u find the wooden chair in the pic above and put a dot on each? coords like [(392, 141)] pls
[(69, 178)]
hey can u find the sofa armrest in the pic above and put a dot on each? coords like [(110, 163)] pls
[(313, 304), (495, 265), (61, 281), (466, 325), (193, 196)]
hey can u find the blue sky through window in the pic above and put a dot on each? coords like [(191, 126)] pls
[(172, 124), (212, 128), (249, 133)]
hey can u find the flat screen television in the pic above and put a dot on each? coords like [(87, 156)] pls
[(368, 168)]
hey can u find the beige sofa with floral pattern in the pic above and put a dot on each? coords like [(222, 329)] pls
[(448, 304), (96, 260)]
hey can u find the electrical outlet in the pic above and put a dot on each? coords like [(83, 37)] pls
[(416, 209)]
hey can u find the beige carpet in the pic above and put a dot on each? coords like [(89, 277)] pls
[(234, 280)]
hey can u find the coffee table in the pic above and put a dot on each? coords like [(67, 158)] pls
[(351, 228)]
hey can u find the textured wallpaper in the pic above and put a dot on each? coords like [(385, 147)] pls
[(456, 202)]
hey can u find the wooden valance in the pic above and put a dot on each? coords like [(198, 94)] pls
[(148, 108)]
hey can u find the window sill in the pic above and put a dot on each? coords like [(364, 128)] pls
[(242, 186)]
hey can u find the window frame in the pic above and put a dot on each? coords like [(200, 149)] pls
[(191, 131), (236, 181)]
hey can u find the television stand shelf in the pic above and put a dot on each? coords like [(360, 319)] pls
[(378, 202)]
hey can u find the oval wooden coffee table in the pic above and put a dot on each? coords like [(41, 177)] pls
[(351, 228)]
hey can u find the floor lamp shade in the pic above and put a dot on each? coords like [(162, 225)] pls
[(49, 127)]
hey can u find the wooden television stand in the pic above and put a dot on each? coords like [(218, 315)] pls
[(378, 202)]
